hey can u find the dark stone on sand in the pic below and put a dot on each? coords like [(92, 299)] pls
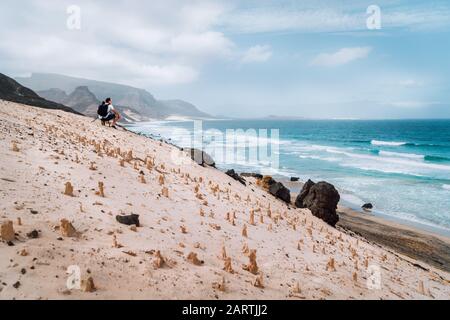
[(235, 176), (252, 175), (280, 191), (130, 220), (33, 234), (322, 199), (295, 179), (302, 195), (367, 206), (200, 157)]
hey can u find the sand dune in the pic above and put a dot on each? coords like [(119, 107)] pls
[(190, 242)]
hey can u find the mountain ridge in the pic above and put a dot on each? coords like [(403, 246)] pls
[(11, 90), (127, 96)]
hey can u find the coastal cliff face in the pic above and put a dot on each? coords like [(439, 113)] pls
[(71, 187), (11, 90)]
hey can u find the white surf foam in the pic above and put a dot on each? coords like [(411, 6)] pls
[(387, 143), (401, 155)]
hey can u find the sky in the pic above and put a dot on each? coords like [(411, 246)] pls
[(246, 58)]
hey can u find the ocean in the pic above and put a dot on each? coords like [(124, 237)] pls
[(402, 167)]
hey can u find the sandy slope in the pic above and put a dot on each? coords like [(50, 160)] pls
[(56, 147)]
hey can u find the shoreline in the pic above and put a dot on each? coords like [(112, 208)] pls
[(438, 231), (407, 239)]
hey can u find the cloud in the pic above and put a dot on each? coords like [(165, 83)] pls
[(329, 16), (341, 57), (132, 42), (279, 19), (259, 53)]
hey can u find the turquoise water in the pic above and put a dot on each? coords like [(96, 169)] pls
[(401, 166)]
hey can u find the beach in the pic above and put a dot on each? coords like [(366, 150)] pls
[(69, 179), (412, 242)]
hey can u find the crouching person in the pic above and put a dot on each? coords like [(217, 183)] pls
[(107, 113)]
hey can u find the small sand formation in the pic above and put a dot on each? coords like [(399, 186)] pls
[(159, 261), (224, 253), (252, 267), (14, 147), (258, 283), (67, 229), (296, 289), (227, 265), (252, 218), (68, 189), (192, 258), (116, 244), (331, 265), (88, 285), (101, 189), (220, 285), (244, 231), (7, 231)]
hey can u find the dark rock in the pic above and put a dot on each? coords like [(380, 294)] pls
[(267, 181), (322, 199), (252, 175), (200, 157), (33, 211), (33, 234), (16, 285), (367, 206), (280, 191), (302, 195), (130, 220), (235, 176), (295, 179)]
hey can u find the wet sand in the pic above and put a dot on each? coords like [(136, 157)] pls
[(414, 243), (431, 248)]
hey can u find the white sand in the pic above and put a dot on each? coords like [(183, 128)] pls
[(34, 177)]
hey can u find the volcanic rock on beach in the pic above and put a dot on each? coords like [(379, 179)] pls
[(299, 202), (367, 206), (235, 176), (322, 199), (252, 175), (280, 191), (200, 157)]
